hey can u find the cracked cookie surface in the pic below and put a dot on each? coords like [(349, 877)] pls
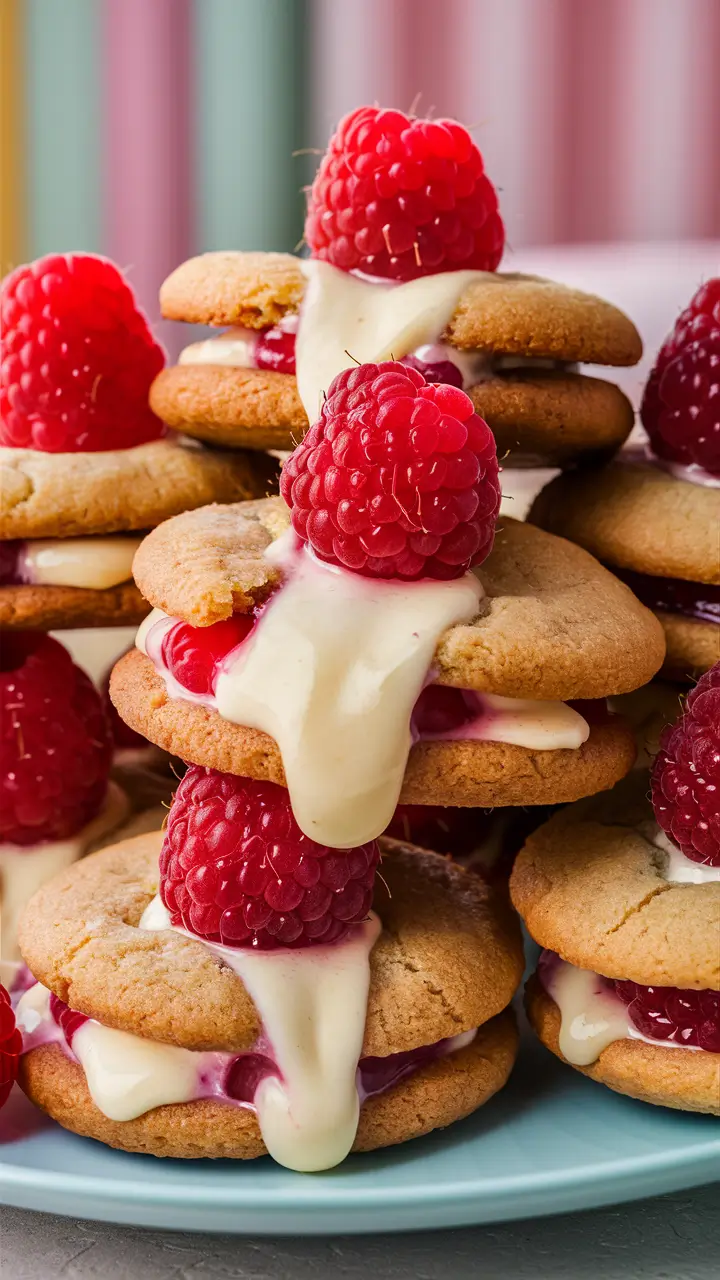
[(554, 624), (449, 957), (591, 886)]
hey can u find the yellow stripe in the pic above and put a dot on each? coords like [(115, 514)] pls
[(12, 177)]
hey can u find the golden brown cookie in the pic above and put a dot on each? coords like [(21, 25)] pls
[(591, 886), (693, 646), (638, 517), (460, 773), (558, 416), (49, 608), (554, 623), (449, 957), (508, 314), (57, 495), (438, 1095), (666, 1077)]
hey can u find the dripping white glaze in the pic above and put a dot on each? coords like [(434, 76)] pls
[(95, 563)]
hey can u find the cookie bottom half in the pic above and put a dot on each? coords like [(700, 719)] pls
[(693, 646), (31, 607), (446, 1091), (683, 1079)]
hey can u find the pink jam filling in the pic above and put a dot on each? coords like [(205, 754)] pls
[(669, 1014), (236, 1078), (674, 595)]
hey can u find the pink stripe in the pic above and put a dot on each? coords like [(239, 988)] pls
[(147, 180), (705, 109)]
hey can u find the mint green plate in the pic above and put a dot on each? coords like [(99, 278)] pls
[(550, 1143)]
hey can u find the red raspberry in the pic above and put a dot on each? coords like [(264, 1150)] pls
[(55, 743), (275, 350), (68, 1020), (397, 479), (10, 1047), (686, 774), (195, 655), (77, 358), (681, 405), (236, 868), (668, 1013), (400, 197)]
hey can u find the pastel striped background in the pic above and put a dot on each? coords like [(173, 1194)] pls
[(151, 129)]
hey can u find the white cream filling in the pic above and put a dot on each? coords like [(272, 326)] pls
[(25, 868), (678, 868), (312, 1004), (537, 725), (591, 1016), (93, 563)]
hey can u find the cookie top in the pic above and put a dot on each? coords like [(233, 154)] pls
[(557, 415), (590, 886), (28, 607), (506, 313), (554, 623), (459, 772), (636, 516), (57, 495), (448, 959)]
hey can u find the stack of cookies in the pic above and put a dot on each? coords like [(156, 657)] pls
[(333, 663), (625, 901), (85, 468), (653, 513)]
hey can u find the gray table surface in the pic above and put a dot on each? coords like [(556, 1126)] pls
[(674, 1237)]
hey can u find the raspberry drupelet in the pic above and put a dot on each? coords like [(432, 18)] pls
[(235, 868), (55, 742), (398, 478), (10, 1046), (681, 405), (401, 197), (77, 358), (686, 774), (690, 1018)]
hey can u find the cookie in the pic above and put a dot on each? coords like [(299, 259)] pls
[(435, 1096), (636, 516), (449, 958), (56, 495), (667, 1077), (591, 886), (459, 772), (508, 314), (554, 623), (693, 646), (558, 416), (46, 608)]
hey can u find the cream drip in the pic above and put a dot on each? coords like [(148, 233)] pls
[(678, 868), (591, 1015), (343, 313), (25, 868), (93, 563), (312, 1003)]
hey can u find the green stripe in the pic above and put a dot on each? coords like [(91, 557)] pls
[(63, 110), (251, 71)]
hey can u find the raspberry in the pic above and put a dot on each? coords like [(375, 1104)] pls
[(55, 743), (681, 405), (400, 197), (686, 774), (668, 1013), (77, 358), (68, 1020), (397, 479), (10, 1047), (275, 350), (194, 655), (435, 370), (236, 868)]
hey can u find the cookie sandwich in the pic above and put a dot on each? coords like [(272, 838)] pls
[(85, 464), (285, 627), (264, 993), (625, 900), (653, 514), (405, 239)]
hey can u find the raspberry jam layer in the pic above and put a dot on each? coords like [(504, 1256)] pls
[(168, 1073), (94, 563), (697, 600), (596, 1011)]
